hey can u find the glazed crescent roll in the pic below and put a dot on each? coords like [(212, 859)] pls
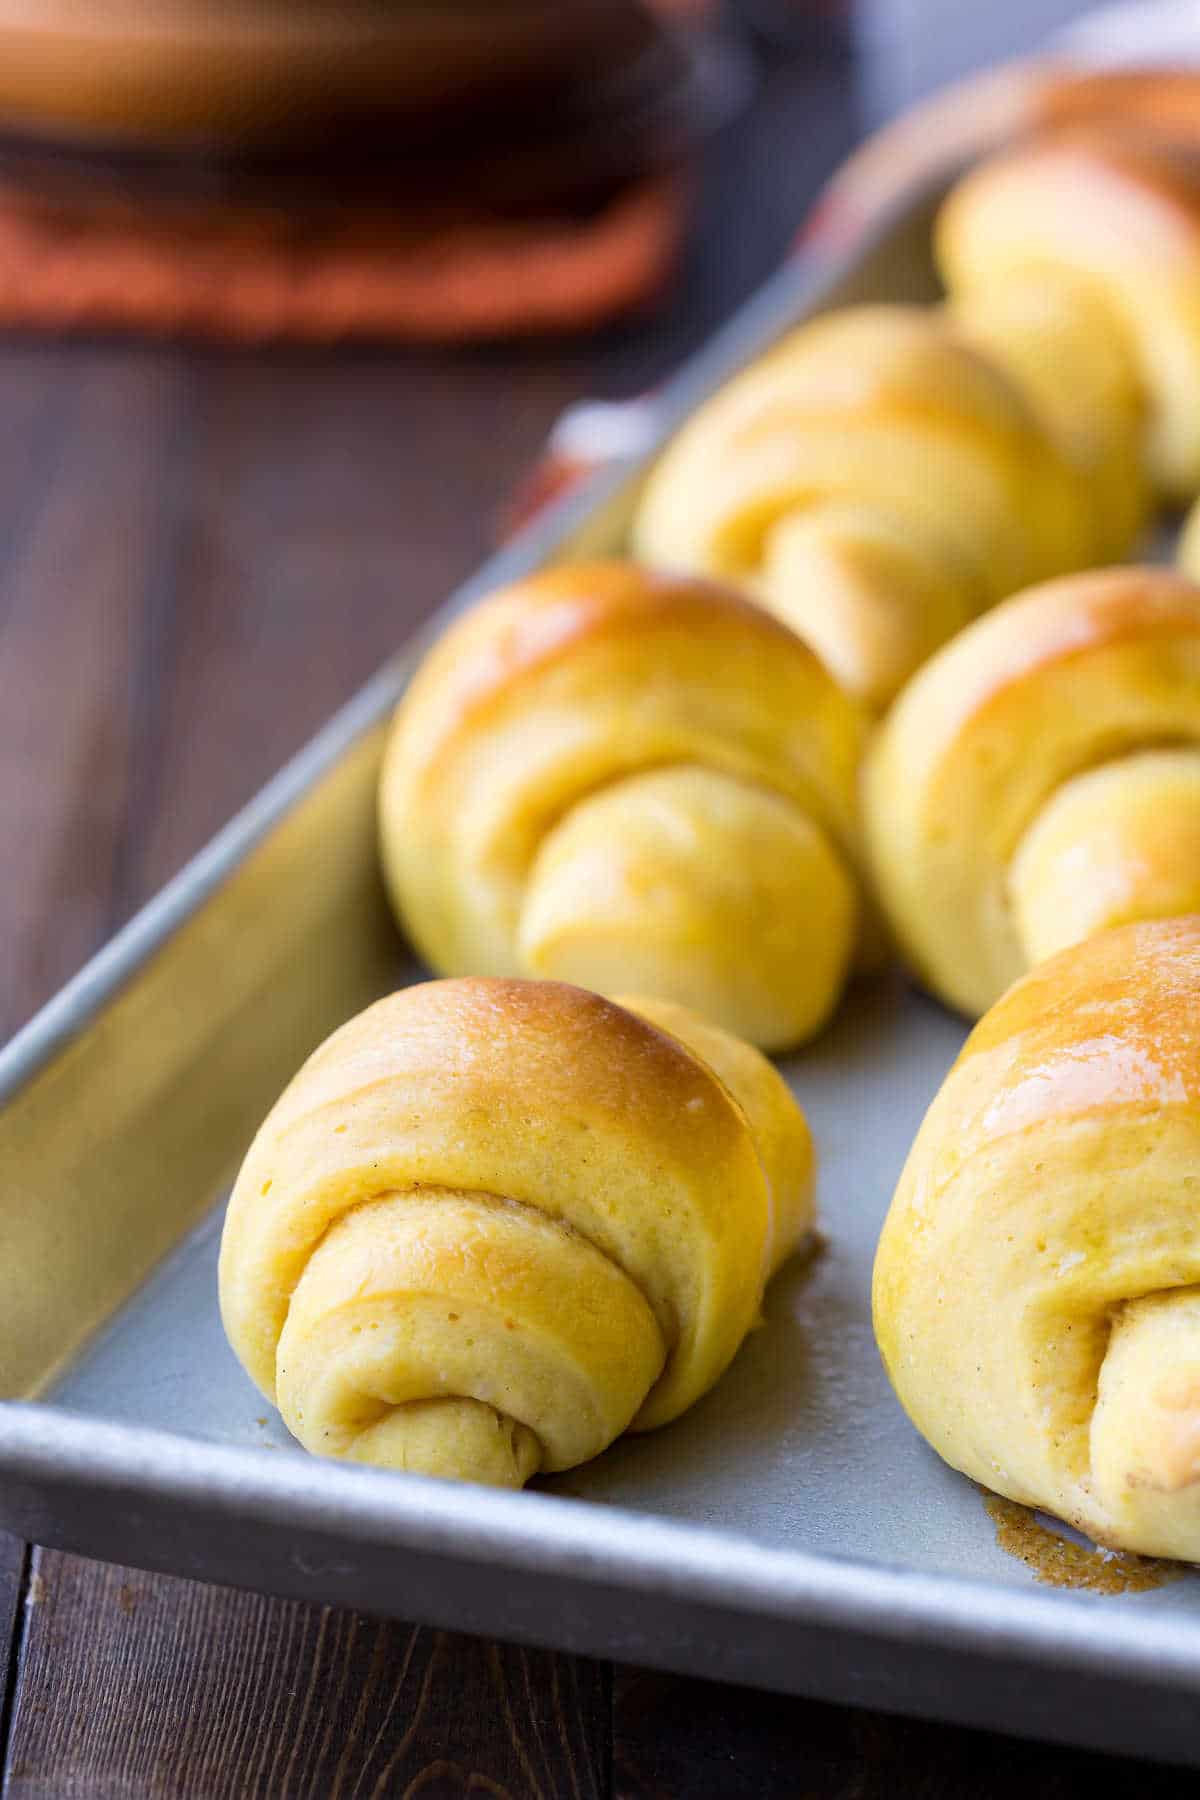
[(874, 481), (493, 1224), (633, 782), (1039, 780), (1037, 1284), (1076, 262), (1060, 342)]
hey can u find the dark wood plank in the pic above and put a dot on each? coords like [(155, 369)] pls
[(312, 534), (75, 568), (193, 1691), (13, 1564), (753, 1746), (217, 553)]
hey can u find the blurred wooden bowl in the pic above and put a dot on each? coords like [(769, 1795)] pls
[(561, 140), (261, 72)]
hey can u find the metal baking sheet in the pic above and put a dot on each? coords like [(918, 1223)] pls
[(791, 1531)]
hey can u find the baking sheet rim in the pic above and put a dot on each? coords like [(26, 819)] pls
[(543, 1533)]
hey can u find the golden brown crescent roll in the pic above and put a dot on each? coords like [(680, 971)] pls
[(493, 1224), (1037, 1285), (1057, 338), (877, 483), (1039, 780), (630, 781), (1076, 261)]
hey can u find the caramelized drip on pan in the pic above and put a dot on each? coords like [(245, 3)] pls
[(1061, 1562)]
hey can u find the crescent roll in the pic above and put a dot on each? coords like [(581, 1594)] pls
[(1037, 1284), (493, 1224), (1039, 780), (634, 782), (877, 483), (1077, 259)]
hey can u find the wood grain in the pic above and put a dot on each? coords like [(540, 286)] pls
[(311, 538), (80, 543), (13, 1557), (754, 1746), (211, 559), (194, 1691)]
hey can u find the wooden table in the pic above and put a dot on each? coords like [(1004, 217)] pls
[(201, 554)]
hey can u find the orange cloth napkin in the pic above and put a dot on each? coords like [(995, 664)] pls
[(100, 253), (221, 272)]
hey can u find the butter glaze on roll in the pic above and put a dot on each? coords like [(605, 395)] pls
[(877, 483), (1039, 780), (1037, 1285), (1101, 235), (631, 781), (493, 1224)]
